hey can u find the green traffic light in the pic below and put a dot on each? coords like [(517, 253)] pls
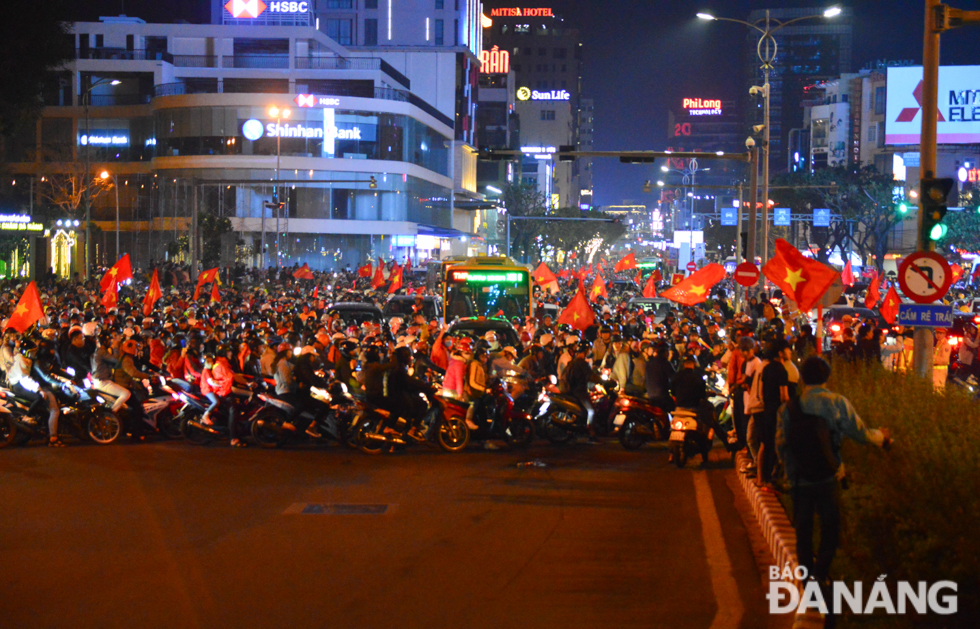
[(902, 208), (938, 231)]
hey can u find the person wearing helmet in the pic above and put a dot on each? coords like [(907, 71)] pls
[(105, 360), (575, 382), (19, 378), (305, 374), (461, 354), (223, 377), (130, 377), (567, 353), (402, 390)]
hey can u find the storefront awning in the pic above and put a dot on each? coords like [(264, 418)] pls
[(440, 232)]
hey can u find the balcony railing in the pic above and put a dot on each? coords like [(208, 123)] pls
[(123, 54), (338, 4), (196, 61), (256, 61), (116, 100)]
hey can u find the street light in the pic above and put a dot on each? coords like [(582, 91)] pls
[(86, 99), (278, 114), (767, 56), (115, 184)]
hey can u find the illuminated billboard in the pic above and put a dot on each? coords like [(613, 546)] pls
[(959, 105)]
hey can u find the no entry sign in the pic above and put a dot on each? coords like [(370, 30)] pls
[(747, 274)]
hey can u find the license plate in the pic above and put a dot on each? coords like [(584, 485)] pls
[(619, 419), (677, 435)]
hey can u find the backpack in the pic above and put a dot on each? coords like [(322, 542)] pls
[(810, 441)]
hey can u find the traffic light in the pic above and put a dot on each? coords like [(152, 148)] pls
[(932, 194), (745, 245), (903, 208)]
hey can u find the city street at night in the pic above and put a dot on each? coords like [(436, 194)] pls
[(171, 535)]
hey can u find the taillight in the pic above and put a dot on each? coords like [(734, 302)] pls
[(954, 340), (835, 328)]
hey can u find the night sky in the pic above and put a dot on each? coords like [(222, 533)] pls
[(643, 56)]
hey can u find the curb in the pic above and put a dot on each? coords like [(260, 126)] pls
[(777, 530)]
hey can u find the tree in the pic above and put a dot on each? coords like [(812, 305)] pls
[(584, 238), (63, 189), (963, 230), (212, 228), (36, 44), (523, 199)]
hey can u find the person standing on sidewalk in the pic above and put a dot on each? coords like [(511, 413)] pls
[(810, 429)]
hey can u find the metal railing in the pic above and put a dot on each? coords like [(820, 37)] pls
[(196, 61), (256, 61), (338, 4), (123, 54), (115, 100)]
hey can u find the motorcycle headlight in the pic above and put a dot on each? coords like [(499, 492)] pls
[(69, 371), (100, 399), (678, 425)]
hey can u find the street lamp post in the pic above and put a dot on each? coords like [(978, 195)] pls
[(767, 55), (688, 175), (278, 114), (86, 100), (115, 184)]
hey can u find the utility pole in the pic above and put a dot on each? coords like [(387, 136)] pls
[(753, 198), (195, 233)]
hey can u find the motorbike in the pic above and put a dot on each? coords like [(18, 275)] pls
[(688, 437), (273, 425), (638, 421), (199, 433), (83, 416), (500, 417), (159, 411), (376, 430), (561, 417)]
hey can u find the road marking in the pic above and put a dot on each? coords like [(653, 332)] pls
[(305, 508), (723, 584)]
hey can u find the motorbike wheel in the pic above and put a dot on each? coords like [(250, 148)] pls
[(193, 434), (8, 430), (680, 456), (454, 434), (520, 433), (365, 427), (168, 425), (629, 438), (266, 429), (104, 426), (554, 433)]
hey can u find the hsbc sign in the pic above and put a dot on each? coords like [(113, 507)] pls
[(959, 105), (250, 9)]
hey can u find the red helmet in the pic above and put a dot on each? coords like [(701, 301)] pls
[(129, 347), (465, 345)]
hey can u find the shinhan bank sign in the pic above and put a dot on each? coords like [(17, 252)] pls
[(329, 132)]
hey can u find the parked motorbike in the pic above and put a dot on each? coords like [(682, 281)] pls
[(274, 425), (377, 430), (639, 421)]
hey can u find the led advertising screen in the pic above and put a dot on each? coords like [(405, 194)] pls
[(959, 105)]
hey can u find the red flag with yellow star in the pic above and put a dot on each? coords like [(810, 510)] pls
[(119, 273), (802, 280), (958, 272), (889, 307), (545, 278), (303, 273), (627, 263), (396, 278), (379, 277), (215, 295), (650, 288), (598, 289), (364, 271), (28, 310), (657, 276), (847, 275), (873, 294), (694, 289), (111, 297), (578, 314), (152, 294)]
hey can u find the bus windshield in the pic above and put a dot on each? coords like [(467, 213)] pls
[(473, 291)]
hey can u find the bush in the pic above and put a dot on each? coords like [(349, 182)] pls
[(912, 513)]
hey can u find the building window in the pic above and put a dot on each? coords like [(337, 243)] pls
[(456, 32), (881, 134), (339, 31), (371, 32), (100, 41), (873, 133), (561, 53), (440, 32), (440, 4), (370, 4), (547, 114), (879, 100)]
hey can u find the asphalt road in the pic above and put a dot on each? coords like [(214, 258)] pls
[(172, 535)]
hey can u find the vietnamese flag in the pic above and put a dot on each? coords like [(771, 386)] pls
[(545, 278), (889, 307), (152, 294), (598, 289), (210, 275), (578, 314), (627, 263), (802, 280), (847, 275), (215, 296), (395, 277), (657, 277), (408, 265), (694, 289), (639, 278), (364, 271), (874, 294), (303, 273), (316, 292), (120, 272), (28, 310), (958, 272), (650, 288), (111, 297), (379, 277)]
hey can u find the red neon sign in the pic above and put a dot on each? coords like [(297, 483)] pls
[(494, 61), (521, 12)]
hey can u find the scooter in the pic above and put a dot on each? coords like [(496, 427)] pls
[(500, 418), (561, 417), (376, 430), (83, 416), (638, 421), (274, 424)]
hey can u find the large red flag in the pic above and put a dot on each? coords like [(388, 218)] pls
[(316, 292), (379, 277), (650, 288), (28, 310), (303, 273), (364, 271), (578, 314), (545, 278), (119, 273), (958, 272), (802, 280), (627, 263), (657, 276), (111, 297), (215, 295), (598, 289), (694, 289), (847, 275), (889, 307), (210, 275), (152, 294), (873, 295), (396, 278)]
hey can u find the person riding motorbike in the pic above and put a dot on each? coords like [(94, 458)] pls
[(19, 377), (402, 389), (76, 357), (659, 373), (127, 375), (575, 382)]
